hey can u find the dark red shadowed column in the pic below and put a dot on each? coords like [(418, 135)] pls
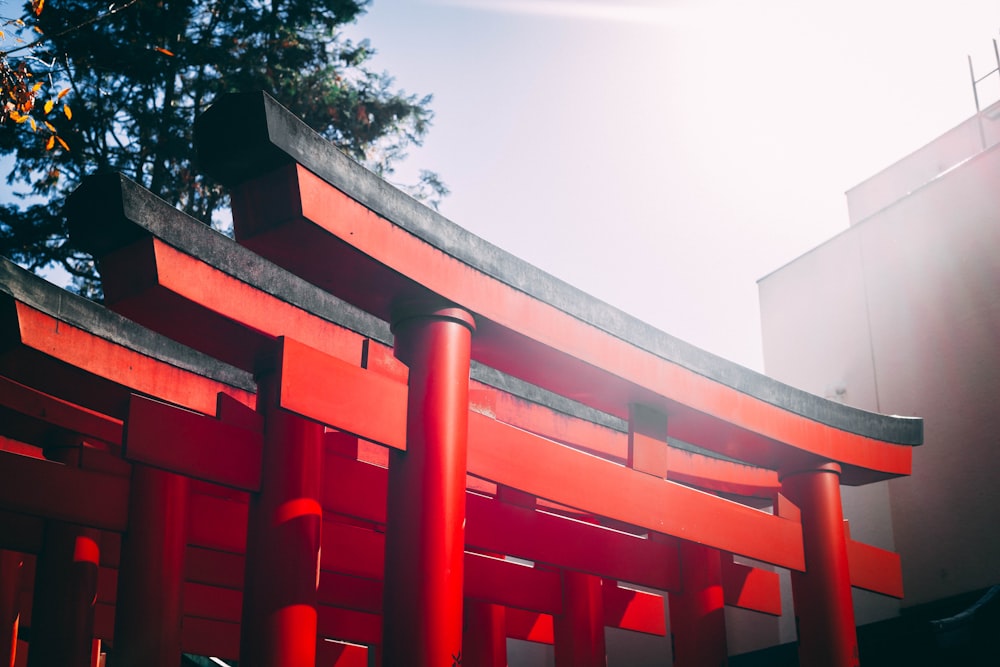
[(283, 540), (823, 604), (425, 525), (65, 592), (697, 614), (11, 569), (484, 643), (579, 630), (151, 574), (62, 616)]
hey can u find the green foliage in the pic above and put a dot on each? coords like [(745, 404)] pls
[(140, 71)]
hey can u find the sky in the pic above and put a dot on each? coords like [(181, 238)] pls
[(663, 155)]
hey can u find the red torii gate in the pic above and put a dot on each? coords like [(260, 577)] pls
[(563, 427)]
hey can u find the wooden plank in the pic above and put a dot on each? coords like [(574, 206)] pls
[(56, 491), (529, 626), (874, 569), (550, 470), (512, 585), (524, 461), (634, 610), (750, 588), (60, 413), (192, 444), (334, 392)]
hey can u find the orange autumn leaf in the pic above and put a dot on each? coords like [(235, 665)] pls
[(50, 143), (62, 143), (49, 105), (62, 93), (68, 112), (163, 51)]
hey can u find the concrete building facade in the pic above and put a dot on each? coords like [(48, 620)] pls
[(900, 314)]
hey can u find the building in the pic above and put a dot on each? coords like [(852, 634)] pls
[(899, 314)]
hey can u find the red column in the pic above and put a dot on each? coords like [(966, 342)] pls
[(151, 573), (823, 605), (484, 642), (579, 630), (283, 541), (697, 614), (62, 615), (425, 525), (11, 567)]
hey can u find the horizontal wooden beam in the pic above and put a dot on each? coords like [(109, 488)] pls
[(541, 467), (192, 444), (750, 588), (56, 491)]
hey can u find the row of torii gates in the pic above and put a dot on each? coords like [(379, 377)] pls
[(272, 450)]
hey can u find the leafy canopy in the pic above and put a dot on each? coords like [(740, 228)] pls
[(123, 83)]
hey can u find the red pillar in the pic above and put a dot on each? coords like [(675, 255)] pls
[(283, 540), (425, 525), (823, 604), (62, 615), (11, 568), (484, 642), (151, 573), (697, 614), (579, 630)]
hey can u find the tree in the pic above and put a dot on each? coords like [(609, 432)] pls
[(138, 72)]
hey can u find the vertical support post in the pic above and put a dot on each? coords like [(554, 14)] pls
[(65, 592), (11, 569), (579, 630), (697, 614), (647, 440), (425, 523), (149, 608), (823, 606), (62, 616), (283, 540), (484, 642)]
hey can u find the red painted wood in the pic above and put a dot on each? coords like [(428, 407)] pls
[(425, 514), (119, 366), (579, 630), (62, 613), (484, 635), (62, 492), (148, 612), (522, 335), (542, 537), (283, 540), (633, 610), (529, 626), (338, 654), (210, 310), (697, 614), (350, 625), (365, 403), (750, 588), (58, 412), (512, 585), (823, 604), (553, 471), (874, 569), (543, 468), (205, 636), (191, 444), (11, 569)]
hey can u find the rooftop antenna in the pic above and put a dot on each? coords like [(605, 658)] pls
[(975, 81)]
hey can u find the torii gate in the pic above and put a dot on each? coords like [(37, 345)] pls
[(360, 374)]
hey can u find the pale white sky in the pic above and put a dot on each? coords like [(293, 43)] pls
[(664, 155)]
